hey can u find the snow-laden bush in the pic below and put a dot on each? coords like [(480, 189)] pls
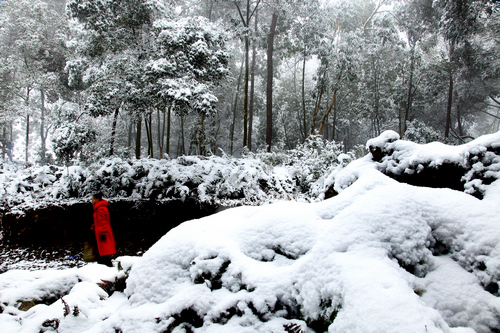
[(307, 163), (211, 180), (69, 138), (470, 167), (418, 132), (256, 179)]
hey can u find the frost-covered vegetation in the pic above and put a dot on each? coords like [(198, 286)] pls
[(381, 256), (469, 167), (257, 179)]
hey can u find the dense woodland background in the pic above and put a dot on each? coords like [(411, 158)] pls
[(81, 80)]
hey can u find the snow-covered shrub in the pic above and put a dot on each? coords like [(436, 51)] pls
[(484, 163), (417, 131), (206, 180), (307, 163), (470, 167), (70, 136)]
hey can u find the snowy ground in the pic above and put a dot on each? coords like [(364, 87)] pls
[(381, 256), (36, 259)]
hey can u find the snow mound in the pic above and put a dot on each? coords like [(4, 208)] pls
[(380, 257)]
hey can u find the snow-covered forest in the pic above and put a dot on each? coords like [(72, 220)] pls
[(82, 80), (303, 166)]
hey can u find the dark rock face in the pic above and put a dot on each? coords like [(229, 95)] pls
[(136, 224), (446, 175)]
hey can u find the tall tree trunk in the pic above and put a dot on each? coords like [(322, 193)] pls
[(334, 123), (202, 135), (252, 88), (304, 126), (316, 110), (42, 127), (246, 23), (245, 96), (235, 105), (113, 132), (325, 117), (269, 90), (183, 146), (448, 108), (161, 131), (247, 72), (27, 123), (210, 9), (146, 125), (5, 142), (459, 121), (409, 100), (149, 133), (130, 132), (169, 117), (138, 138)]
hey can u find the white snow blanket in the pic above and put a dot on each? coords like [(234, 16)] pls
[(379, 257)]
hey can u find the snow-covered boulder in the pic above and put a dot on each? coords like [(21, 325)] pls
[(470, 167)]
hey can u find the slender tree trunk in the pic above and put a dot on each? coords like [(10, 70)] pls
[(252, 88), (43, 137), (304, 126), (5, 142), (202, 135), (334, 123), (409, 100), (183, 149), (246, 24), (161, 131), (168, 129), (448, 108), (247, 72), (235, 105), (231, 130), (27, 123), (163, 134), (269, 91), (459, 121), (327, 111), (158, 130), (210, 9), (245, 96), (316, 110), (149, 134), (146, 124), (113, 132), (130, 132), (138, 138), (400, 119)]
